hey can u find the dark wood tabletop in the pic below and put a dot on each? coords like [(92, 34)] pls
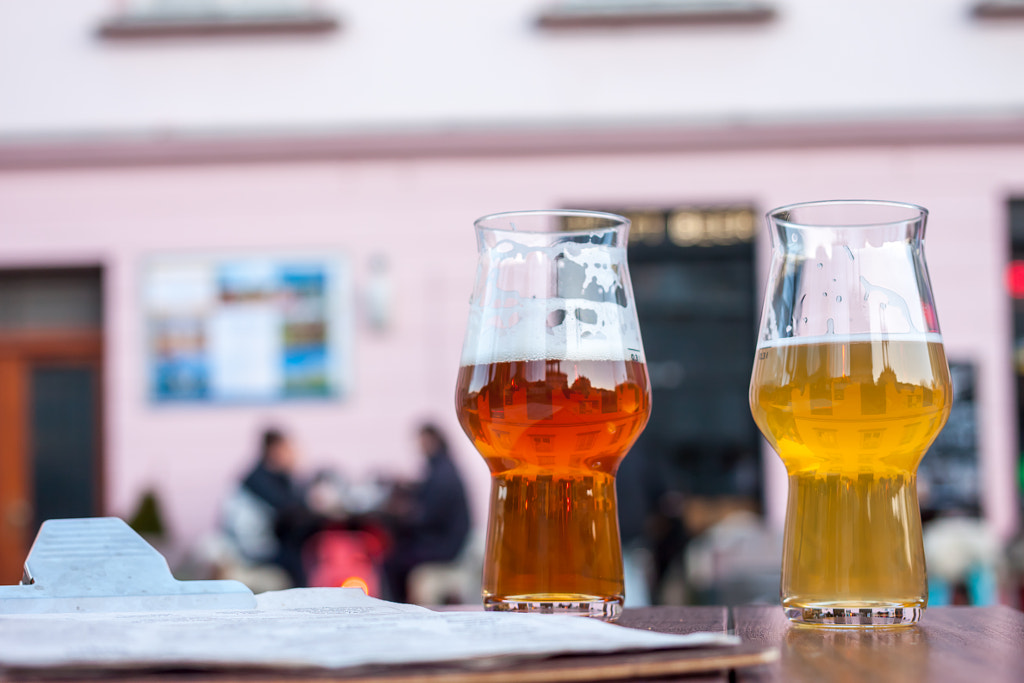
[(949, 645)]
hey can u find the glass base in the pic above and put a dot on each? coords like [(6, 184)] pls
[(606, 609), (852, 616)]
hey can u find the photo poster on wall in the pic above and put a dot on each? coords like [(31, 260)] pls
[(247, 327)]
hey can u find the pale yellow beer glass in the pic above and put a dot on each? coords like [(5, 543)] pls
[(850, 386)]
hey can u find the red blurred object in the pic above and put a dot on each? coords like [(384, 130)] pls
[(1015, 279), (346, 558)]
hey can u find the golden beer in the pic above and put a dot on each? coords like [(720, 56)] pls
[(553, 433), (851, 419)]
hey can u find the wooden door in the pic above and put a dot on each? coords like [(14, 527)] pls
[(34, 450), (15, 507)]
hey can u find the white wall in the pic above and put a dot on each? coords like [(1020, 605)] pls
[(434, 65)]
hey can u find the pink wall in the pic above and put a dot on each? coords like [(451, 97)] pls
[(420, 212)]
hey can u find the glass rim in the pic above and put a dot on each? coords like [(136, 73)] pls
[(617, 221), (919, 213)]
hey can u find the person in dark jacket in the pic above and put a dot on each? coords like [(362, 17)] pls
[(432, 523), (272, 481)]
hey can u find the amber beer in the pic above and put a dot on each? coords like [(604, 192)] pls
[(553, 433), (851, 419)]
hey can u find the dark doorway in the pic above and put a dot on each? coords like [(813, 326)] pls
[(699, 457), (695, 297), (64, 440)]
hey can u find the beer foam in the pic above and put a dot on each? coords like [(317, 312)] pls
[(556, 328), (924, 337), (566, 300)]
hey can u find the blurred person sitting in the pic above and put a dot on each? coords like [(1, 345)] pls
[(269, 517), (963, 556), (735, 561), (429, 521)]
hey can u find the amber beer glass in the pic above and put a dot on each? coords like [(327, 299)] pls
[(850, 386), (553, 391)]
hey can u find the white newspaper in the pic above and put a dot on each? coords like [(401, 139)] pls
[(318, 628)]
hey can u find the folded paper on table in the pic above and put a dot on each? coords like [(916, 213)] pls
[(327, 628)]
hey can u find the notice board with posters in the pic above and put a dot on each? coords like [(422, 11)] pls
[(247, 327)]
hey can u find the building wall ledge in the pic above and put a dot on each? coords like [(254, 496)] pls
[(121, 150)]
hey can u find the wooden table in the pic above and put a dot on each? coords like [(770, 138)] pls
[(951, 644)]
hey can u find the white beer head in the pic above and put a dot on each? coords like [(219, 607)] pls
[(552, 285)]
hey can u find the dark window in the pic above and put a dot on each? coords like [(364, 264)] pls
[(693, 280)]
